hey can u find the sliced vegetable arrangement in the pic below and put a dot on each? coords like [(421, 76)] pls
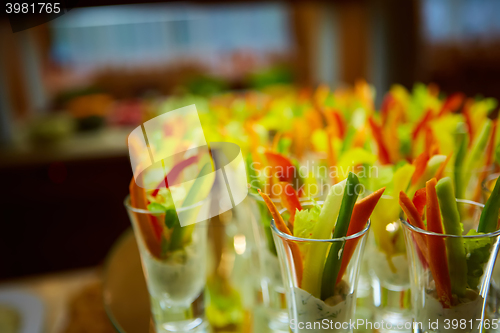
[(320, 268), (456, 262), (161, 229)]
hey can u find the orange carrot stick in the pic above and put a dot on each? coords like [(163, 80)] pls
[(415, 219), (360, 215), (290, 200), (280, 224), (138, 200), (332, 161), (438, 261), (420, 164)]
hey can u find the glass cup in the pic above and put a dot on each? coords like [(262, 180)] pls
[(388, 267), (175, 282), (467, 313), (307, 312), (493, 309), (270, 299)]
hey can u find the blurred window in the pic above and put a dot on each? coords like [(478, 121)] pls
[(159, 33), (461, 20)]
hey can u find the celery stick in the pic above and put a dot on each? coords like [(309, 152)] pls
[(461, 147), (489, 216), (334, 260), (315, 258), (179, 233), (457, 260), (477, 151)]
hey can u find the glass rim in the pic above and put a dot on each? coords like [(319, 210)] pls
[(411, 227), (321, 240), (128, 205), (488, 179)]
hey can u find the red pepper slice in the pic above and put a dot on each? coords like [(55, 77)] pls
[(290, 200), (452, 103), (414, 217), (419, 200), (341, 124), (386, 106), (282, 166), (379, 139), (175, 172), (422, 123), (138, 200)]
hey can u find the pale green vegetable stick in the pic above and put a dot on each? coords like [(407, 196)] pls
[(457, 260), (316, 256)]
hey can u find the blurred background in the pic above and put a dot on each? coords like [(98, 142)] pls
[(73, 88)]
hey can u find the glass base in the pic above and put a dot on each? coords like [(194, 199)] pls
[(197, 325), (392, 308)]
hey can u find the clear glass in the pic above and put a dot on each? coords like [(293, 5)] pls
[(388, 267), (270, 292), (493, 309), (308, 313), (231, 277), (465, 314), (175, 284)]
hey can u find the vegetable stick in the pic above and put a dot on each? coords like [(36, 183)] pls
[(420, 164), (278, 161), (442, 167), (438, 261), (290, 200), (332, 161), (458, 170), (280, 224), (175, 173), (419, 200), (360, 215), (452, 103), (377, 135), (411, 211), (457, 261), (422, 124), (334, 259), (477, 151), (415, 219), (138, 200), (489, 217), (197, 192), (490, 150), (313, 264)]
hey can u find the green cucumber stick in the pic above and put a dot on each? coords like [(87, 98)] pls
[(489, 216), (458, 172), (193, 196), (334, 259), (457, 260), (315, 257)]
